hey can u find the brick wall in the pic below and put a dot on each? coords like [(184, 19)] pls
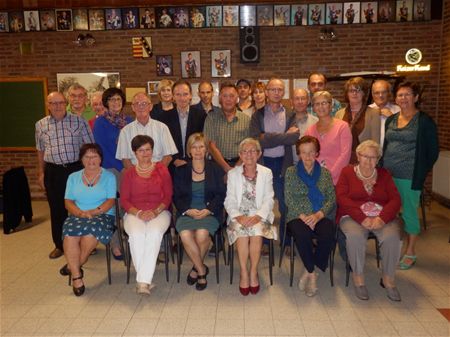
[(289, 52), (444, 83)]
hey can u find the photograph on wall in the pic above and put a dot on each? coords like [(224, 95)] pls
[(404, 11), (316, 14), (281, 15), (213, 16), (64, 20), (80, 19), (164, 65), (47, 20), (31, 19), (113, 18), (147, 18), (386, 11), (351, 12), (4, 24), (230, 16), (16, 24), (164, 17), (181, 17), (152, 88), (130, 17), (96, 19), (190, 64), (91, 81), (299, 15), (221, 63), (264, 15), (247, 16), (197, 17), (422, 10), (334, 13), (369, 12)]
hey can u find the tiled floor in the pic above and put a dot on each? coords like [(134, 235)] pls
[(36, 300)]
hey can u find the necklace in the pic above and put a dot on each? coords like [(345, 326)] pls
[(360, 175), (91, 183), (199, 173), (144, 170)]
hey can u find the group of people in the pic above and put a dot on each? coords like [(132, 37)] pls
[(194, 165)]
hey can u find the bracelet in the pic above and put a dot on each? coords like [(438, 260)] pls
[(137, 213)]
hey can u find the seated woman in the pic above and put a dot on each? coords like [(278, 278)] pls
[(199, 192), (249, 203), (309, 195), (145, 194), (368, 201), (89, 199)]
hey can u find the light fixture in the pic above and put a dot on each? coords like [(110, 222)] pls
[(327, 34), (84, 40)]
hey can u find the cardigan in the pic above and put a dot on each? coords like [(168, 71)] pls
[(214, 188), (351, 194), (427, 148), (296, 194)]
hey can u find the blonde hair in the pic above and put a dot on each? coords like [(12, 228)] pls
[(367, 144), (194, 138), (250, 141), (322, 93), (164, 84)]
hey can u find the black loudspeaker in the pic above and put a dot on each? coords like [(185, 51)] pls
[(249, 41)]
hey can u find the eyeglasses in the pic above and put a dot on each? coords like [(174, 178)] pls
[(317, 104), (368, 157), (91, 157), (57, 103), (115, 99), (141, 104), (77, 96), (308, 154), (252, 151), (144, 150), (355, 90)]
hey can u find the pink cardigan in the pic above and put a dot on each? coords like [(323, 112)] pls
[(335, 147)]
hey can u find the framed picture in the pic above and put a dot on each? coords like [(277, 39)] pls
[(213, 16), (91, 81), (351, 12), (80, 19), (164, 17), (147, 18), (369, 12), (281, 15), (221, 63), (230, 16), (181, 17), (16, 23), (64, 20), (130, 18), (197, 17), (316, 14), (386, 11), (31, 19), (113, 18), (152, 88), (4, 24), (96, 19), (47, 20), (422, 10), (264, 15), (190, 64), (164, 65), (334, 13), (247, 16), (404, 11), (299, 15)]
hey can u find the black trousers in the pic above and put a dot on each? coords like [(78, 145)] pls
[(55, 179), (303, 235)]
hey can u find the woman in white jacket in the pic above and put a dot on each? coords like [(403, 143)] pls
[(249, 203)]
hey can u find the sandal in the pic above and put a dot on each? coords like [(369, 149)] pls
[(80, 290), (201, 286), (191, 280), (65, 271), (405, 265)]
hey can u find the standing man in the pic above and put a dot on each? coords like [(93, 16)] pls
[(59, 138), (300, 117), (382, 95), (78, 99), (270, 125), (97, 106), (318, 82), (245, 97), (143, 125), (206, 93)]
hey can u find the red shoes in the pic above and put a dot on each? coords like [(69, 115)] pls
[(244, 291), (254, 290)]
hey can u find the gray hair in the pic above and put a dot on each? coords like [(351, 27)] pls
[(250, 141), (369, 144)]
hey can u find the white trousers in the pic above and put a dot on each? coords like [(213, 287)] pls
[(145, 241)]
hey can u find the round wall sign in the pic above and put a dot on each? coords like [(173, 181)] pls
[(413, 56)]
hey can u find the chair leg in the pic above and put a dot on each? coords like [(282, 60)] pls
[(378, 253), (231, 261), (282, 248), (128, 257), (216, 244), (108, 261), (179, 249), (222, 238), (271, 261), (291, 274), (331, 263), (166, 254), (347, 273), (422, 206)]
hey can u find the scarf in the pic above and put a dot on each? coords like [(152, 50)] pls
[(118, 120), (314, 194)]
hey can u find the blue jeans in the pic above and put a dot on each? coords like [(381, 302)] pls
[(276, 165)]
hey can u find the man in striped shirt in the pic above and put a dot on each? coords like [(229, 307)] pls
[(59, 137)]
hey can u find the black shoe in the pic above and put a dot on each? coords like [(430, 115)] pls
[(191, 280), (201, 286), (80, 290), (212, 251), (65, 271)]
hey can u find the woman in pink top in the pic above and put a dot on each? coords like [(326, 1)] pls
[(333, 134), (145, 194)]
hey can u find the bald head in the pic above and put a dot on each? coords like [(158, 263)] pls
[(381, 93), (300, 100), (275, 91), (56, 104), (142, 106)]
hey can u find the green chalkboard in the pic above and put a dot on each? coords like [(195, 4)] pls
[(22, 104)]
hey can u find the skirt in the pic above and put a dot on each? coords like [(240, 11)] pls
[(187, 223), (101, 227), (235, 230)]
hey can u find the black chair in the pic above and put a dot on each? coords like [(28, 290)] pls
[(271, 261), (422, 207)]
